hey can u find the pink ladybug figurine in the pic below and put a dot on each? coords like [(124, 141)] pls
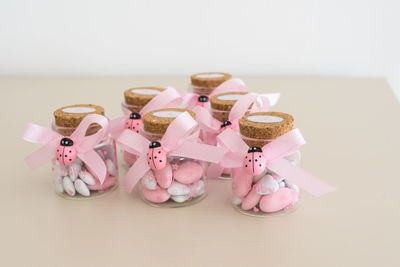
[(156, 157), (66, 152), (254, 162), (134, 122), (226, 125), (202, 101)]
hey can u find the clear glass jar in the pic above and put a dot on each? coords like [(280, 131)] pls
[(181, 183), (77, 181), (266, 194)]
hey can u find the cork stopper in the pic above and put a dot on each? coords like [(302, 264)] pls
[(140, 96), (209, 79), (67, 118), (264, 126), (157, 121), (222, 104)]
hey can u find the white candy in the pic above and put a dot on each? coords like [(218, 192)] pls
[(68, 186), (58, 182), (178, 189), (237, 200), (181, 198), (87, 177), (112, 170), (60, 170), (267, 185), (292, 186), (73, 171), (81, 188), (197, 189), (149, 181)]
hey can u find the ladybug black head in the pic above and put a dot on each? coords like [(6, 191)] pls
[(134, 116), (254, 149), (226, 123), (66, 142), (203, 98), (154, 144)]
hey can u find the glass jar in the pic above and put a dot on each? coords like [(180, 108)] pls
[(182, 182), (267, 193), (77, 180), (204, 83)]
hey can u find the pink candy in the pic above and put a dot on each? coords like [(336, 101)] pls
[(158, 195), (188, 173), (283, 198), (164, 176)]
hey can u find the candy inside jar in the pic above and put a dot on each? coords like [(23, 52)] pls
[(179, 183), (73, 178), (258, 191)]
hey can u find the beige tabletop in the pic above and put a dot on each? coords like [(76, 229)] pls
[(353, 142)]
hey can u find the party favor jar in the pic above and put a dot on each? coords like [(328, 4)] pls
[(81, 150), (204, 83), (170, 165)]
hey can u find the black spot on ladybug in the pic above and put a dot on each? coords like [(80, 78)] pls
[(134, 116), (65, 155), (150, 158), (159, 152), (259, 156), (154, 144), (249, 160), (70, 159), (260, 165), (225, 124), (160, 160), (245, 165), (137, 123), (255, 160), (58, 150), (155, 157), (203, 98), (137, 131), (246, 157), (70, 151)]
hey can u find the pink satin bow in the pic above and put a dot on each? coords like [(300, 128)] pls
[(274, 153), (177, 141), (212, 126), (84, 144), (169, 98), (231, 85)]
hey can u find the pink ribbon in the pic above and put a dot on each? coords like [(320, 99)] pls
[(231, 85), (171, 97), (212, 126), (178, 141), (84, 144), (274, 152)]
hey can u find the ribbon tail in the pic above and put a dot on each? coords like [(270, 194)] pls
[(199, 151), (135, 173), (117, 126), (214, 170), (296, 175), (41, 156), (95, 164)]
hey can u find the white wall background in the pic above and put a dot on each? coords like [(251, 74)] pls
[(117, 37)]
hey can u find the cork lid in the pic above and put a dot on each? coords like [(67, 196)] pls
[(225, 101), (265, 125), (69, 117), (140, 96), (157, 121), (209, 79)]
